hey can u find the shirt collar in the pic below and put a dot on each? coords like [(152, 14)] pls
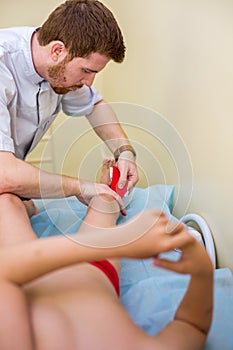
[(29, 68)]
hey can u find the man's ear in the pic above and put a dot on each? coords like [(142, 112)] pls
[(58, 50)]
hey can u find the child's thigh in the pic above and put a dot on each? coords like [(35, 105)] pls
[(15, 226), (14, 318)]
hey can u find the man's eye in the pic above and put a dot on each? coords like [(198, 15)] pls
[(85, 71)]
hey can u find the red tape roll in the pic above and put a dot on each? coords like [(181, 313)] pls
[(114, 182)]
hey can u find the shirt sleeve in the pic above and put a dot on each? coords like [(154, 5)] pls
[(80, 102), (7, 92)]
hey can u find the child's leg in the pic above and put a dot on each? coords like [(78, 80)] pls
[(15, 332), (15, 225), (103, 210)]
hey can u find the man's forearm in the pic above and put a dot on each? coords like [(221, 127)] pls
[(25, 180), (107, 127)]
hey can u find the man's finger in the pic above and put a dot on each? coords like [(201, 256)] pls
[(123, 180)]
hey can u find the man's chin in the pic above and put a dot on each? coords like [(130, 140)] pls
[(60, 90), (63, 90)]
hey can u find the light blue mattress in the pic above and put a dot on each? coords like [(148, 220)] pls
[(150, 295)]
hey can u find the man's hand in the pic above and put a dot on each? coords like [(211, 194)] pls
[(128, 170), (88, 190)]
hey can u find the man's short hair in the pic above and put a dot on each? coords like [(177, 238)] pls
[(85, 27)]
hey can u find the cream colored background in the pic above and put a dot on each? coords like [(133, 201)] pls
[(179, 63)]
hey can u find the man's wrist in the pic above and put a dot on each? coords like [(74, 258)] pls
[(124, 148)]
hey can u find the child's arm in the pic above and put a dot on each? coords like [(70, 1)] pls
[(142, 237), (193, 317)]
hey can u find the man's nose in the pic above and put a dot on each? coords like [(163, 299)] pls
[(89, 79)]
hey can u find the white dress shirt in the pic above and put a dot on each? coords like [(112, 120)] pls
[(28, 104)]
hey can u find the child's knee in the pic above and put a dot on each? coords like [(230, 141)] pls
[(9, 199), (105, 203)]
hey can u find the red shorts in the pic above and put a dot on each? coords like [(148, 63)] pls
[(106, 267)]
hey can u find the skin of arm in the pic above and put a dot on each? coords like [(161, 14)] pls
[(22, 179), (193, 317), (136, 239), (106, 125)]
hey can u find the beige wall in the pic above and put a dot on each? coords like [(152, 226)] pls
[(174, 96), (180, 62), (25, 12)]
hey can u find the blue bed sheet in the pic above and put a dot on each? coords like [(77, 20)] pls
[(149, 294)]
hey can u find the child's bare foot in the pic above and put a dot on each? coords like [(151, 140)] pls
[(30, 207), (105, 171)]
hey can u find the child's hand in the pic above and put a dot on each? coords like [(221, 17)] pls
[(194, 260)]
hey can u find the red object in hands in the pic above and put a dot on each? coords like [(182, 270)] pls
[(114, 182)]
